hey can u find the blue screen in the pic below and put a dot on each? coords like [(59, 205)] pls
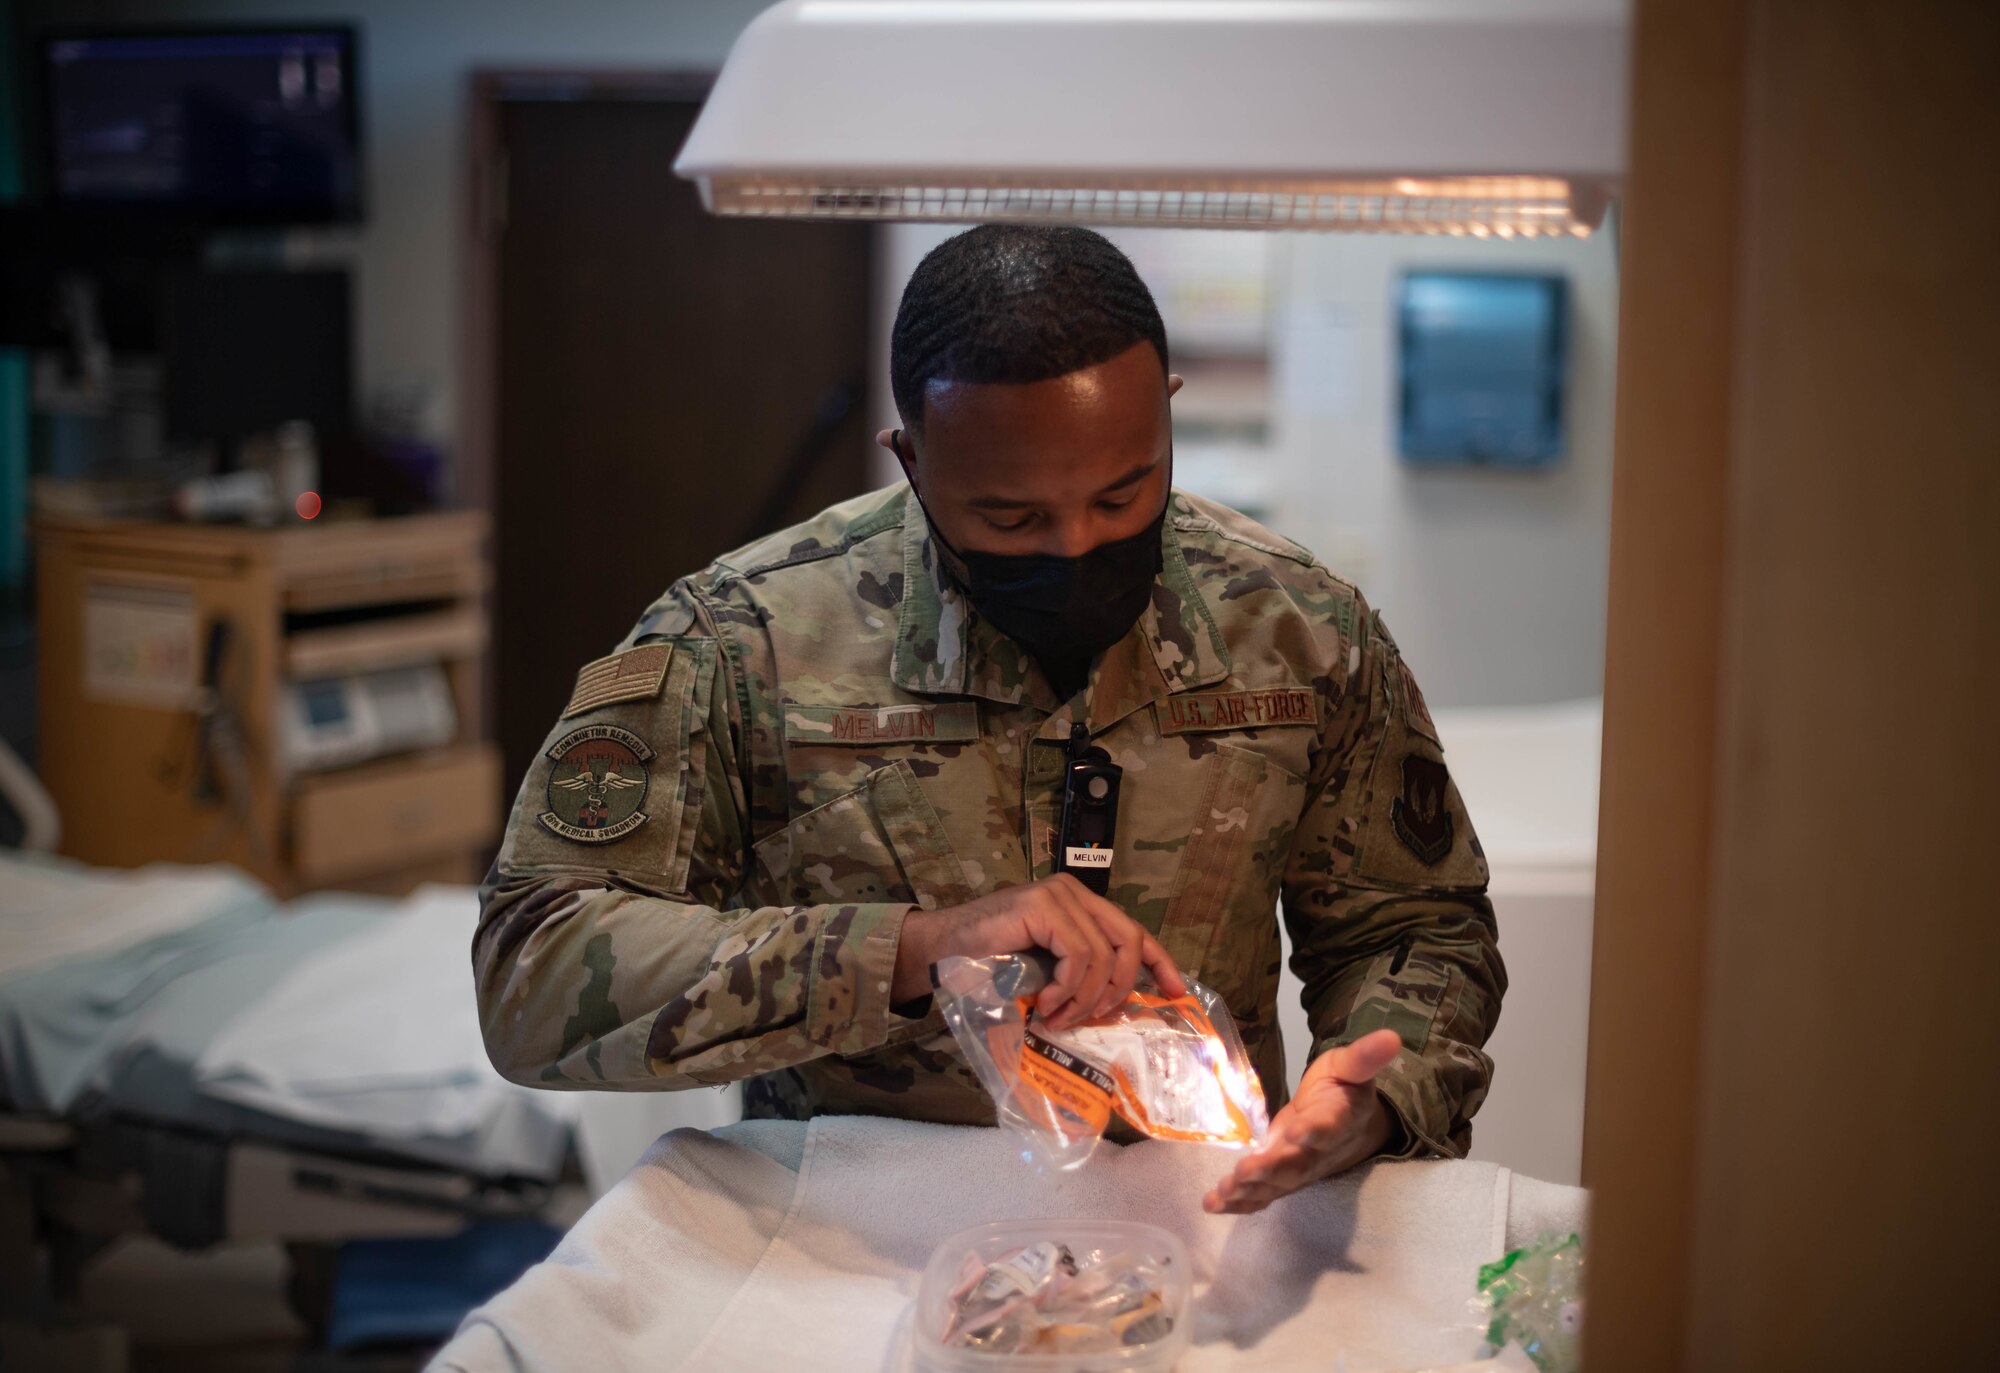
[(1483, 361)]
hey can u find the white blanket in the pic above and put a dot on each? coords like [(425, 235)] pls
[(770, 1245), (377, 1033), (54, 909)]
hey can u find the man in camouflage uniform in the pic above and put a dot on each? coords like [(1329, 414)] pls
[(819, 764)]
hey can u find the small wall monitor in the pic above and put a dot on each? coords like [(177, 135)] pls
[(255, 126), (1484, 358)]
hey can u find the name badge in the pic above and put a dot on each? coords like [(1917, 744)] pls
[(949, 722), (1086, 858), (1211, 710)]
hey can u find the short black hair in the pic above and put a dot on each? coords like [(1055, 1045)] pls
[(1016, 303)]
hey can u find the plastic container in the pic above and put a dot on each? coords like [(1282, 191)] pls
[(1088, 1241)]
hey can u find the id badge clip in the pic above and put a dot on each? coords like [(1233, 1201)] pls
[(1086, 835)]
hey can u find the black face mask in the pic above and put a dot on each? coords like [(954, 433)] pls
[(1065, 611)]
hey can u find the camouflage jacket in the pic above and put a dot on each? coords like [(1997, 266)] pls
[(708, 866)]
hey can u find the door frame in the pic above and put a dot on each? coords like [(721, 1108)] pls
[(483, 217)]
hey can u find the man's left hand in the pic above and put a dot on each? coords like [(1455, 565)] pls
[(1336, 1120)]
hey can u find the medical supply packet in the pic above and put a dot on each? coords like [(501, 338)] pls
[(1054, 1296), (1174, 1067)]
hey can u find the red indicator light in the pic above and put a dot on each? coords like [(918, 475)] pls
[(307, 504)]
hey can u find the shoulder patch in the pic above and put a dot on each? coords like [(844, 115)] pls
[(1194, 711), (598, 784), (1420, 816), (950, 721), (628, 676)]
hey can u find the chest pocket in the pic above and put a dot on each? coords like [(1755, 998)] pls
[(1251, 750), (1219, 915), (880, 842)]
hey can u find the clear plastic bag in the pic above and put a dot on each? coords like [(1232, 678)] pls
[(1174, 1067), (1056, 1296), (1534, 1298)]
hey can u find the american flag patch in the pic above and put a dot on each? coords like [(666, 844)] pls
[(627, 676)]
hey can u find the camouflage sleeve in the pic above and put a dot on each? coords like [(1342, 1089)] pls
[(608, 953), (1385, 900)]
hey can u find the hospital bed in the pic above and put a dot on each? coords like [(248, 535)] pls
[(182, 1055)]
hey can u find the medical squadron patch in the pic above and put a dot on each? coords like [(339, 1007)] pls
[(597, 784), (1419, 815)]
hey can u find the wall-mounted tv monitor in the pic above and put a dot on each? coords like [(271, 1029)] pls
[(227, 126)]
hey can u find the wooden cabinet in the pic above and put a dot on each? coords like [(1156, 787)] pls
[(166, 656), (391, 814)]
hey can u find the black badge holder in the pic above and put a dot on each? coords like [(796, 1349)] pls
[(1089, 823)]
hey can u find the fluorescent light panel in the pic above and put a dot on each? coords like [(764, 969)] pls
[(1480, 207), (1501, 118)]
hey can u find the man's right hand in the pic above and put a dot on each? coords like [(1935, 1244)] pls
[(1099, 949)]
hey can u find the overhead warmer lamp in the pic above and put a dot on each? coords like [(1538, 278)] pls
[(1501, 118)]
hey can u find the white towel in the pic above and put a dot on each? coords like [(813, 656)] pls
[(714, 1254)]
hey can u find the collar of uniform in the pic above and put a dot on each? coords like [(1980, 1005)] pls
[(942, 648)]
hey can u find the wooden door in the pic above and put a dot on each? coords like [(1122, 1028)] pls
[(659, 378)]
